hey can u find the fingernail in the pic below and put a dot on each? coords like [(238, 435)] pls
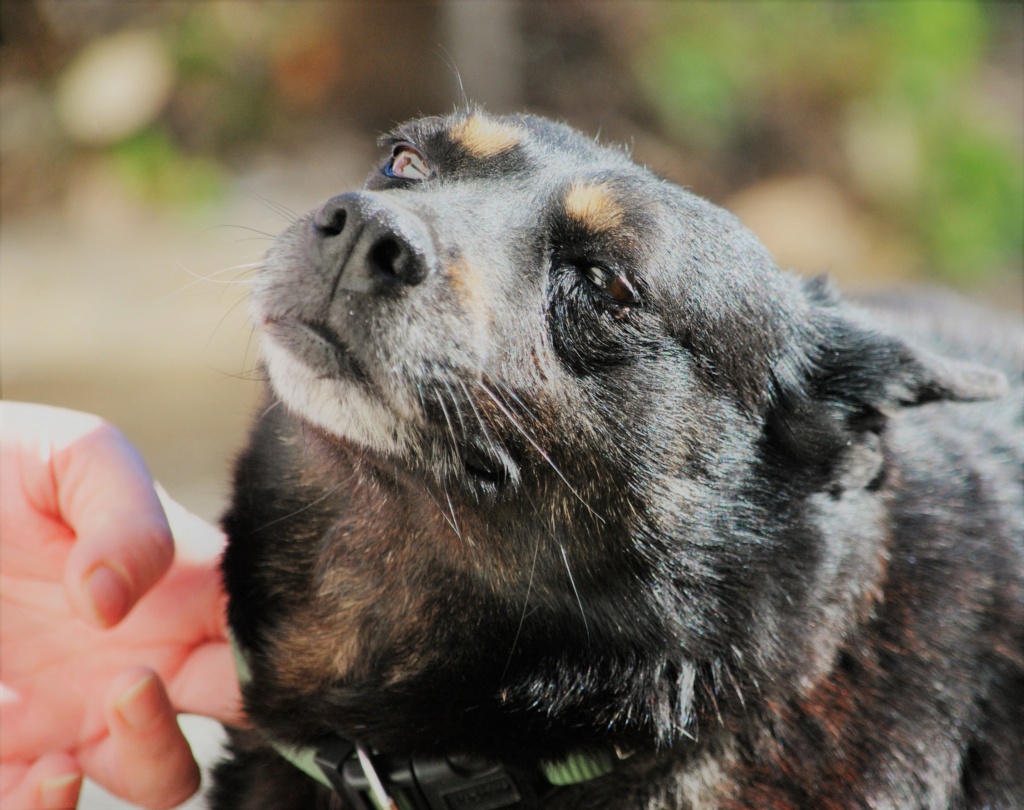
[(140, 704), (59, 790), (108, 593)]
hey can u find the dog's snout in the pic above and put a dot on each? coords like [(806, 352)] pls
[(372, 244)]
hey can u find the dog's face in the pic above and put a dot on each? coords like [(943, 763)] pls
[(496, 265), (552, 421)]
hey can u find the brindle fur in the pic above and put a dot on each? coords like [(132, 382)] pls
[(766, 540)]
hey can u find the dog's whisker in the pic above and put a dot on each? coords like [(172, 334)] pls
[(451, 521), (199, 278), (540, 450), (223, 319), (448, 421), (309, 505), (245, 266), (565, 559), (278, 208), (455, 404), (268, 410), (519, 401), (249, 348), (451, 509), (256, 374), (261, 234), (526, 604), (572, 581), (487, 431), (473, 407)]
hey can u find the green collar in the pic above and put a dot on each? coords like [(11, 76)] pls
[(573, 770)]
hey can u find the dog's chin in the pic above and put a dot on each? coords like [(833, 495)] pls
[(337, 404), (322, 393)]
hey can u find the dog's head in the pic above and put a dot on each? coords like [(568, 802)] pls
[(559, 444)]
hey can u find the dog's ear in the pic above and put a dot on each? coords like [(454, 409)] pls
[(843, 377), (856, 360)]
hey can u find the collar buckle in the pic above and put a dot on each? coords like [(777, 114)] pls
[(425, 782)]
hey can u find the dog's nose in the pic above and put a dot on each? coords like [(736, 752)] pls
[(372, 244)]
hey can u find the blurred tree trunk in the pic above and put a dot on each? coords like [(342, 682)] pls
[(484, 44)]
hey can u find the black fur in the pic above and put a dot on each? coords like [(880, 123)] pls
[(688, 507)]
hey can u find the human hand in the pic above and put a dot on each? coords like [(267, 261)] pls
[(84, 541)]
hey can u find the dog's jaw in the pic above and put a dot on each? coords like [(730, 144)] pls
[(337, 405)]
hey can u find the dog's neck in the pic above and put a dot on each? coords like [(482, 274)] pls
[(347, 768)]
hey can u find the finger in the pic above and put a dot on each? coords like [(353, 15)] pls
[(207, 684), (146, 759), (197, 578), (52, 782), (123, 543)]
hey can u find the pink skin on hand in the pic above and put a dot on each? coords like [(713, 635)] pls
[(104, 634)]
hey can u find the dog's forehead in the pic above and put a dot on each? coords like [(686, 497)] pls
[(548, 172), (484, 144), (539, 171)]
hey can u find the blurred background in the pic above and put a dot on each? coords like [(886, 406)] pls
[(151, 150)]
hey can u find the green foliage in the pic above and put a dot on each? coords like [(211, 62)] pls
[(972, 207), (716, 69), (152, 166), (224, 81)]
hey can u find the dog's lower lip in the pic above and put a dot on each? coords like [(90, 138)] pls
[(326, 334), (347, 364), (336, 361)]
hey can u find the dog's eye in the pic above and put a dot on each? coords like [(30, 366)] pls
[(615, 285), (407, 163)]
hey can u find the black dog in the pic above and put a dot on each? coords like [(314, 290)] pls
[(566, 497)]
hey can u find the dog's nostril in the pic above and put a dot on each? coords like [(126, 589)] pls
[(387, 258), (330, 220)]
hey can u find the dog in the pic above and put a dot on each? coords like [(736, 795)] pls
[(564, 496)]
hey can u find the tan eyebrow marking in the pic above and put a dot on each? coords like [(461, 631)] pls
[(484, 137), (594, 206)]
